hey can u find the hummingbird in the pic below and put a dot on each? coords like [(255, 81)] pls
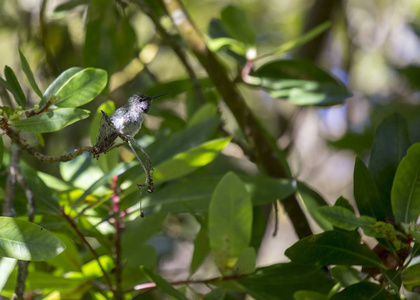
[(126, 119)]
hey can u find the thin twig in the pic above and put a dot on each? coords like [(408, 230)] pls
[(92, 251), (20, 281), (14, 136), (118, 228)]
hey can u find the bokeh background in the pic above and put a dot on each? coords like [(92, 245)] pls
[(373, 47)]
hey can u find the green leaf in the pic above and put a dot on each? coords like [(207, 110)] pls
[(45, 201), (342, 218), (230, 221), (246, 261), (345, 275), (27, 241), (110, 40), (81, 88), (366, 193), (411, 277), (28, 72), (14, 86), (187, 162), (69, 5), (333, 248), (281, 281), (301, 82), (309, 295), (389, 147), (312, 201), (201, 249), (162, 284), (362, 291), (6, 268), (343, 202), (52, 120), (196, 192), (405, 194), (175, 87), (137, 233), (59, 82), (237, 24), (69, 259)]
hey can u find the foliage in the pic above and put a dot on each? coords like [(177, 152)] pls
[(85, 232)]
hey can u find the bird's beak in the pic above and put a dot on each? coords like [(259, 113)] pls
[(153, 97)]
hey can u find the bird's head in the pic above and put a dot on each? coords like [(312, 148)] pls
[(143, 101)]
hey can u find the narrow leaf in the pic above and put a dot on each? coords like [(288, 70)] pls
[(405, 194), (389, 147), (81, 88), (69, 5), (201, 249), (344, 219), (28, 72), (230, 221), (312, 201), (6, 267), (366, 193), (52, 120), (162, 283), (27, 241), (362, 290), (186, 162), (15, 87), (333, 248)]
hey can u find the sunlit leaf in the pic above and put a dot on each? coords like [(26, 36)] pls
[(56, 85), (6, 267), (333, 248), (405, 194), (68, 5), (81, 88), (52, 120), (301, 82), (230, 221), (186, 162), (28, 72), (27, 241), (14, 86), (162, 284)]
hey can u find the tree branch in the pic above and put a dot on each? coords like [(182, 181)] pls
[(269, 156), (14, 136)]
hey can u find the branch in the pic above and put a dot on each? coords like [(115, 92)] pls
[(14, 136), (270, 157)]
